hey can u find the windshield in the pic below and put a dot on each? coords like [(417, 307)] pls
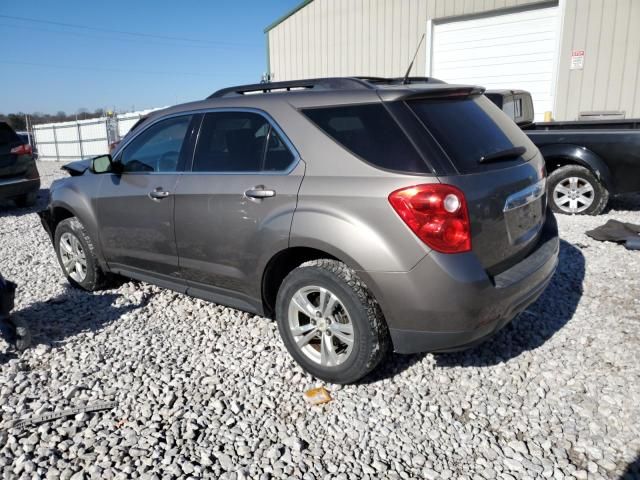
[(471, 128)]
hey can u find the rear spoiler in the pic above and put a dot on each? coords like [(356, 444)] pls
[(430, 92)]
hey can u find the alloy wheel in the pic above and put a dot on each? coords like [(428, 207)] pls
[(573, 195), (321, 326), (73, 257)]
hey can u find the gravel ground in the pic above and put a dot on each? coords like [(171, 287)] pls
[(207, 391)]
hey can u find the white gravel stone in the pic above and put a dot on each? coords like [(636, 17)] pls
[(206, 391)]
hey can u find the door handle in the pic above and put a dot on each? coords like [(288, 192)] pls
[(259, 192), (158, 194)]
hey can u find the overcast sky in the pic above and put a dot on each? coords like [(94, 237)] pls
[(71, 54)]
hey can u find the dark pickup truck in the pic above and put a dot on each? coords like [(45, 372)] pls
[(587, 161)]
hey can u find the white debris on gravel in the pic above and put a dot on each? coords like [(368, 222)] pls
[(208, 391)]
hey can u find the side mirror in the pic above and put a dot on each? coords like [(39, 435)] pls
[(101, 164), (105, 164)]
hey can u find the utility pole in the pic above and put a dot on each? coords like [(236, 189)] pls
[(26, 126)]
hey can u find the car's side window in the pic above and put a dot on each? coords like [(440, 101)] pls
[(239, 142), (278, 156), (158, 148)]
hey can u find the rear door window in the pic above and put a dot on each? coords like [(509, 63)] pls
[(371, 133), (278, 157), (470, 128), (240, 142)]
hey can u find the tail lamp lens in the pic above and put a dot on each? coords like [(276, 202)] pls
[(22, 149), (437, 214)]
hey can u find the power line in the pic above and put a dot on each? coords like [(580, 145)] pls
[(103, 69), (122, 32), (102, 37)]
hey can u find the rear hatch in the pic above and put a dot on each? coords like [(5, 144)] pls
[(12, 164), (500, 171)]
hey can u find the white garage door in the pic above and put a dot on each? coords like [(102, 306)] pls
[(514, 51)]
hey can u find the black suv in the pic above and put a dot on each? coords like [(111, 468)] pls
[(19, 177)]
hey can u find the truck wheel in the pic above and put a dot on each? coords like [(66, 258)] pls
[(330, 323), (574, 190), (77, 256)]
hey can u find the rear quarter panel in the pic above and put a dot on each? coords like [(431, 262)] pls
[(352, 219)]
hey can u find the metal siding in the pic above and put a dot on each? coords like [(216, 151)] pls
[(412, 30), (631, 70), (303, 29), (619, 51), (605, 54), (331, 43), (607, 31), (378, 37), (343, 41), (357, 37), (425, 11), (362, 37), (567, 31)]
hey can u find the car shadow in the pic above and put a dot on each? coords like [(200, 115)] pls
[(627, 202), (632, 472), (531, 329), (537, 324), (53, 321), (8, 208)]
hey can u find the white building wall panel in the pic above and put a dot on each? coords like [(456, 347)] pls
[(378, 38), (361, 37), (608, 32)]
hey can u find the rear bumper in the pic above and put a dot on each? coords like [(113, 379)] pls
[(449, 302), (14, 187)]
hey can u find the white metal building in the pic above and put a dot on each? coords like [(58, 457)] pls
[(574, 56)]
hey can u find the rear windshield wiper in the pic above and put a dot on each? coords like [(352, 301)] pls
[(503, 155)]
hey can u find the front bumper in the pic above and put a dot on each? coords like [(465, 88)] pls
[(449, 302), (14, 187)]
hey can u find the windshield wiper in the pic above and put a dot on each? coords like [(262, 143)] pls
[(503, 154)]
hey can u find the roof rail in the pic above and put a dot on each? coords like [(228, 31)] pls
[(333, 83), (400, 80)]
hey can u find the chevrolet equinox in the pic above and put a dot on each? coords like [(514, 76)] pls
[(364, 214)]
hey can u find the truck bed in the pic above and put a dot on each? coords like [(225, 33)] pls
[(630, 124)]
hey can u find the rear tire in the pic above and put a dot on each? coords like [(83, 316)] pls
[(322, 307), (77, 255), (27, 200), (575, 190)]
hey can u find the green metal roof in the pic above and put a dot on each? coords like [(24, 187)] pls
[(287, 15)]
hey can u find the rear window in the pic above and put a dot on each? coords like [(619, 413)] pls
[(469, 129), (371, 133), (7, 135)]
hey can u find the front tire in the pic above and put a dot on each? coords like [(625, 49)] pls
[(77, 256), (574, 190), (330, 323)]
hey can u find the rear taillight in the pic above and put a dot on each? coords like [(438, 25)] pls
[(22, 149), (437, 214)]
